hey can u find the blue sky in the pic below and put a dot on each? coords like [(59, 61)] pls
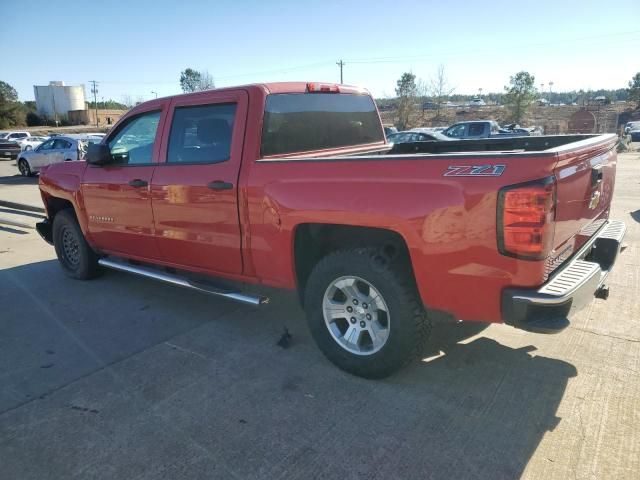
[(135, 47)]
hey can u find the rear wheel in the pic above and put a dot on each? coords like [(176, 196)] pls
[(364, 312), (75, 255), (24, 168)]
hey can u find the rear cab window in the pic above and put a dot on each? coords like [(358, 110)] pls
[(304, 122)]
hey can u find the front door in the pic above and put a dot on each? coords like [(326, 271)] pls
[(59, 152), (195, 185), (38, 158), (117, 196)]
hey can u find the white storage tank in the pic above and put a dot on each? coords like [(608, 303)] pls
[(57, 99)]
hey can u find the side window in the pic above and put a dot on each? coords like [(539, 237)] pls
[(47, 145), (60, 144), (456, 131), (476, 129), (201, 134), (133, 143)]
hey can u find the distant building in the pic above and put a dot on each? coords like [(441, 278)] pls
[(106, 118), (55, 100)]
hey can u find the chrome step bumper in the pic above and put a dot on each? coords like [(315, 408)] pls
[(573, 286)]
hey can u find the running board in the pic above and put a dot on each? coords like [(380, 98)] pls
[(182, 282)]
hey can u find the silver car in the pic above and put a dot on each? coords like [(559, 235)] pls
[(63, 148)]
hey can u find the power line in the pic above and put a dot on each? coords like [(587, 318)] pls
[(483, 50)]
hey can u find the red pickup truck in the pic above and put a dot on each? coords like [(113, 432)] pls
[(292, 185)]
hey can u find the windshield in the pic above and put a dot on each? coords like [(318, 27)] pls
[(316, 121)]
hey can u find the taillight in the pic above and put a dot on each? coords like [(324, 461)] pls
[(526, 219), (322, 88)]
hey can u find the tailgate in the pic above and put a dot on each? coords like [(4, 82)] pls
[(585, 176)]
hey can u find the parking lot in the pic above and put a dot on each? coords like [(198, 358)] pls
[(121, 377)]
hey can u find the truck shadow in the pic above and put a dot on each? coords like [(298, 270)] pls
[(475, 408), (635, 215), (18, 179)]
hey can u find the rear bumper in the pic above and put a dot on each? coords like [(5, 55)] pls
[(546, 309)]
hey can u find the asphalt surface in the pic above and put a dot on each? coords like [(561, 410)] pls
[(125, 378)]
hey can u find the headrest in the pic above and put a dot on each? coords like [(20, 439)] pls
[(213, 130)]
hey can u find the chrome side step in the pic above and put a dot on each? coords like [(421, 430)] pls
[(181, 282)]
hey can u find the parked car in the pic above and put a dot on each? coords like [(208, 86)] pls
[(14, 135), (480, 129), (389, 130), (61, 148), (476, 102), (29, 143), (630, 126), (290, 185), (635, 134), (429, 106), (9, 143), (407, 137)]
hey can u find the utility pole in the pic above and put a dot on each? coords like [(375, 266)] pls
[(340, 64), (155, 93), (550, 86), (94, 90)]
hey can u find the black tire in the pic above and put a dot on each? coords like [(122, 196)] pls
[(409, 327), (75, 255), (24, 168)]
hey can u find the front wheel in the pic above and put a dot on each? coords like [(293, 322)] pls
[(75, 255), (364, 312)]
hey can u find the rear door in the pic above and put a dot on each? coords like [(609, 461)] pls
[(477, 130), (117, 196), (195, 187)]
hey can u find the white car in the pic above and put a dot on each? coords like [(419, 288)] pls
[(58, 149), (29, 143), (476, 102), (14, 135)]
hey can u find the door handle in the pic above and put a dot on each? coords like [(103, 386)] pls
[(138, 183), (220, 185)]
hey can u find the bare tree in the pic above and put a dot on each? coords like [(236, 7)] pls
[(127, 100), (423, 91), (440, 89), (195, 81), (206, 81)]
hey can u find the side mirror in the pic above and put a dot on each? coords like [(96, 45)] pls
[(98, 154)]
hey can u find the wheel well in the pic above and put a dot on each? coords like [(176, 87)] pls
[(314, 241), (55, 205)]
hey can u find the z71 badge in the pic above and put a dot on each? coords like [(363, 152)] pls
[(474, 171)]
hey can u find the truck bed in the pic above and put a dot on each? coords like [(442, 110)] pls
[(522, 144)]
